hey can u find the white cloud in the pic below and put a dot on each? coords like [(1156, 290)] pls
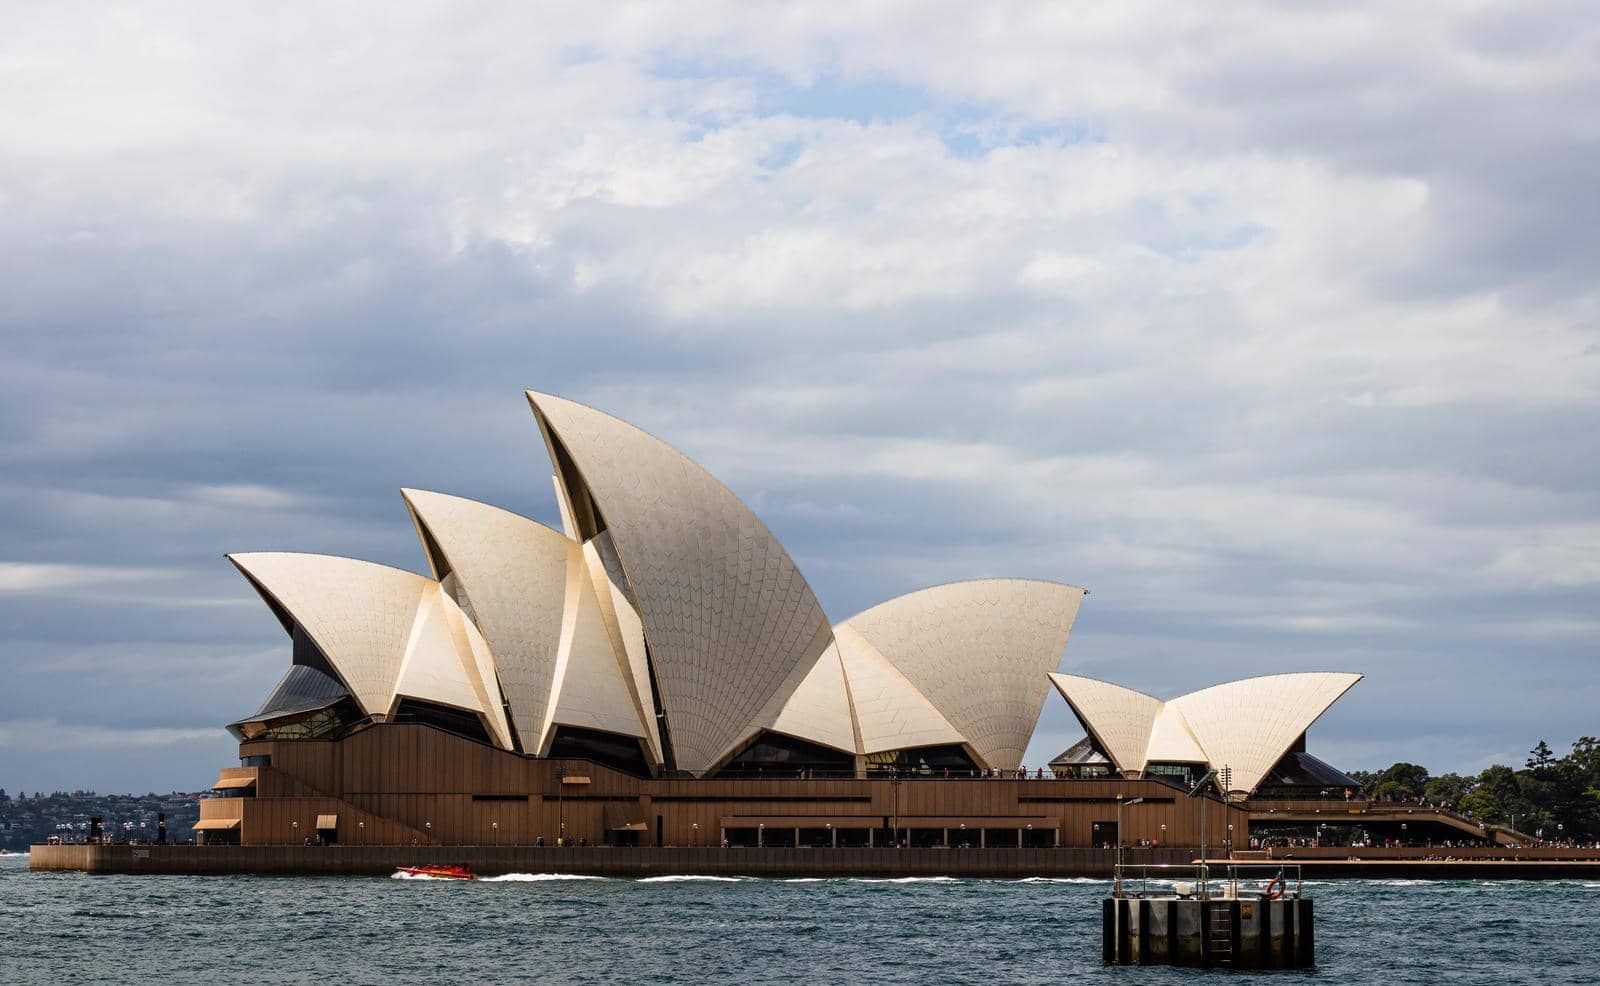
[(26, 577)]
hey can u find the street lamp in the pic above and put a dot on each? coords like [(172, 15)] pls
[(1230, 840), (1402, 833), (495, 827), (831, 843), (295, 826), (761, 834), (361, 830), (697, 835)]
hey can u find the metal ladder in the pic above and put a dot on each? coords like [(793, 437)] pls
[(1221, 933)]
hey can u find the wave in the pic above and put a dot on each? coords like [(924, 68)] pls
[(686, 877), (536, 877), (398, 875), (1063, 879), (905, 879), (805, 879)]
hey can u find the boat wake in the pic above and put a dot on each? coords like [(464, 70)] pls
[(686, 878), (905, 879), (1060, 879), (536, 877)]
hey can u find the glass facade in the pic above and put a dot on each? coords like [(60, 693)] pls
[(773, 754), (612, 750), (922, 761)]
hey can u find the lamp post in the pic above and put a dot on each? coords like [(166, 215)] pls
[(361, 831), (1163, 833), (1230, 840), (295, 826), (1118, 857), (761, 834), (1402, 833), (963, 835), (428, 828), (832, 841), (696, 835), (894, 823), (1205, 874), (494, 827), (561, 802)]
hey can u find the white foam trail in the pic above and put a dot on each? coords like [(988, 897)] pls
[(906, 879), (1060, 879), (535, 877), (685, 878), (803, 879), (398, 875)]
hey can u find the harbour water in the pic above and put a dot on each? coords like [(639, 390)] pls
[(70, 927)]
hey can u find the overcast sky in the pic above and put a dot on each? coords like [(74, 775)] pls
[(1276, 329)]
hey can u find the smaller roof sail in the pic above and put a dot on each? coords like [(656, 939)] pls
[(385, 632), (819, 711), (512, 572), (978, 651), (1246, 726), (591, 688), (1120, 719), (891, 714), (1249, 725)]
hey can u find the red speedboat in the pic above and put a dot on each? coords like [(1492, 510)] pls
[(460, 871)]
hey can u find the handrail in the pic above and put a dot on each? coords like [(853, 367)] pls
[(1142, 873)]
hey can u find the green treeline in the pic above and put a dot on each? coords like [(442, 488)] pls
[(1560, 796)]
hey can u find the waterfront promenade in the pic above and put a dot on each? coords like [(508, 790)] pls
[(765, 862)]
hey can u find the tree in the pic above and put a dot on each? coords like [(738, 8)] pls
[(1541, 757), (1481, 803), (1447, 789), (1402, 781)]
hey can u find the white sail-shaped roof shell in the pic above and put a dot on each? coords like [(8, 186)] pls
[(979, 652), (1120, 719), (820, 710), (530, 593), (591, 690), (384, 630), (1249, 725), (731, 625), (891, 714), (1246, 726)]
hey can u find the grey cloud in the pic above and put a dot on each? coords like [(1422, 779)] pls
[(1291, 361)]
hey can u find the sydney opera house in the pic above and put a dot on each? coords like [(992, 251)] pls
[(658, 672)]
